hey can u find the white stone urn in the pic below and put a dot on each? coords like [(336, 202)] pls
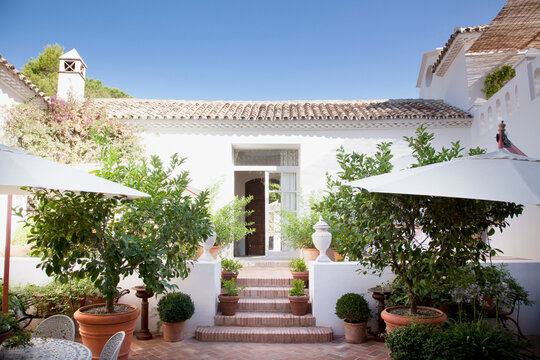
[(207, 245), (322, 240)]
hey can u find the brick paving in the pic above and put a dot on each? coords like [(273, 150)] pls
[(190, 348)]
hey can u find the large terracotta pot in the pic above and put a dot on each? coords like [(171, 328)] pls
[(355, 333), (228, 304), (299, 304), (301, 275), (395, 321), (310, 254), (173, 331), (228, 275), (96, 329)]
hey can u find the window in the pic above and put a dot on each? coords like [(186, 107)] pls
[(69, 65), (265, 157)]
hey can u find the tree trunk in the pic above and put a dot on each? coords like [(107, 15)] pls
[(110, 305)]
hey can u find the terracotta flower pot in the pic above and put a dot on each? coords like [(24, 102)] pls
[(96, 329), (228, 304), (214, 251), (395, 321), (310, 254), (228, 275), (299, 304), (301, 275), (355, 333), (173, 331), (5, 335)]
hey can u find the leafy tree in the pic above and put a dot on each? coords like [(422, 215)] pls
[(43, 72), (89, 236), (381, 230), (67, 131)]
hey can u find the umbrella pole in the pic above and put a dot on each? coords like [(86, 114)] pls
[(7, 256)]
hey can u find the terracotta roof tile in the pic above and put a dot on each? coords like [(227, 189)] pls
[(281, 110), (24, 80)]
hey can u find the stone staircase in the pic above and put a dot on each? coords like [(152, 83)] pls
[(264, 313)]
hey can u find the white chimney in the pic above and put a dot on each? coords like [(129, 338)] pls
[(71, 76)]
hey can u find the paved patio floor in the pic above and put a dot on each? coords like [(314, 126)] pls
[(190, 348)]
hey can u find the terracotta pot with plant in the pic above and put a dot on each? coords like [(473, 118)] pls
[(298, 298), (228, 299), (83, 235), (229, 269), (299, 270), (354, 310), (11, 333), (174, 309), (230, 223), (421, 239), (297, 230)]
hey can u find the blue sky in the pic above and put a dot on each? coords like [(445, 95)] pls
[(244, 50)]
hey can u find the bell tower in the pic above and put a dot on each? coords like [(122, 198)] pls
[(71, 76)]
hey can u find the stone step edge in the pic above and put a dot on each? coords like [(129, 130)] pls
[(264, 334), (261, 319)]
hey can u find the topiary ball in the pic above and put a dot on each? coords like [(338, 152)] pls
[(175, 307), (353, 308)]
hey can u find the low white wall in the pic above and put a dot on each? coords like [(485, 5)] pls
[(203, 285), (329, 281)]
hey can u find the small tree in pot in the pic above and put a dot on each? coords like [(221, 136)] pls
[(298, 298), (174, 309), (421, 238), (104, 239), (354, 311), (229, 298)]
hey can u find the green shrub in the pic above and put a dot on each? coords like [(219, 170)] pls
[(19, 337), (297, 288), (230, 265), (230, 287), (353, 308), (458, 341), (230, 221), (497, 79), (298, 265), (175, 307)]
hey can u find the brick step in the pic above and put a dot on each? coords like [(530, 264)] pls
[(264, 319), (264, 263), (266, 305), (264, 282), (264, 292), (262, 334)]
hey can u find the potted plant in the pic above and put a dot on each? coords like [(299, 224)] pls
[(229, 269), (228, 300), (104, 239), (298, 298), (174, 309), (299, 270), (230, 223), (297, 230), (11, 334), (354, 310), (420, 238)]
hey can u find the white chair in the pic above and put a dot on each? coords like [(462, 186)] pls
[(56, 326), (112, 347)]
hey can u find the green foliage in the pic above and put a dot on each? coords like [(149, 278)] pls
[(20, 236), (230, 265), (353, 308), (470, 340), (175, 307), (297, 288), (19, 337), (230, 287), (298, 265), (68, 132), (297, 230), (497, 79), (380, 230), (89, 236), (229, 221), (43, 72), (94, 88)]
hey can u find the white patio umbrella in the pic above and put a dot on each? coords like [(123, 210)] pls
[(496, 176), (21, 168)]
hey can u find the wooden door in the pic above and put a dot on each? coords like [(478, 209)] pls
[(255, 242)]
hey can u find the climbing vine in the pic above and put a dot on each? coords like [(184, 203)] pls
[(497, 79)]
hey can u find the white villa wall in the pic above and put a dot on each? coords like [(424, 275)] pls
[(203, 285), (329, 281), (210, 160)]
